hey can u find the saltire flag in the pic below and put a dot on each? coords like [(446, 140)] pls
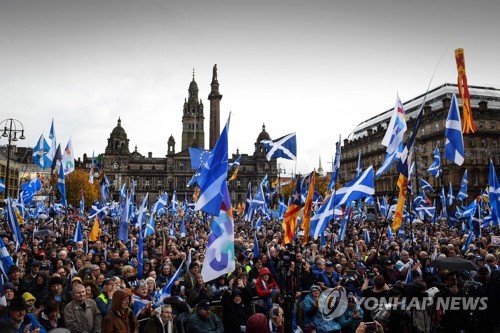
[(140, 241), (292, 213), (425, 185), (123, 192), (57, 160), (367, 237), (173, 205), (2, 186), (468, 241), (61, 186), (429, 211), (167, 290), (5, 258), (78, 235), (454, 144), (470, 210), (384, 207), (369, 200), (256, 252), (172, 228), (494, 195), (389, 234), (435, 167), (91, 172), (359, 188), (306, 217), (53, 143), (403, 168), (123, 228), (285, 147), (183, 227), (150, 226), (258, 200), (323, 215), (389, 159), (214, 178), (322, 241), (450, 198), (95, 232), (219, 253), (160, 203), (68, 161), (409, 275), (396, 128), (138, 305), (359, 167), (34, 185), (462, 194), (41, 153), (463, 89), (335, 165), (104, 189), (82, 205), (97, 210)]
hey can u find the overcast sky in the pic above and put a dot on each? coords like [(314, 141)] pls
[(317, 68)]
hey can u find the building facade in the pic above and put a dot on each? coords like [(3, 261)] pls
[(173, 171), (480, 146)]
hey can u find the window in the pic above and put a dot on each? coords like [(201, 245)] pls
[(481, 124), (495, 143), (472, 143), (493, 125), (483, 142)]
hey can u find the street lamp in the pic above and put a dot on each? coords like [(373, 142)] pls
[(11, 127)]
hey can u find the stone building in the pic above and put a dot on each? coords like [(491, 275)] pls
[(480, 146)]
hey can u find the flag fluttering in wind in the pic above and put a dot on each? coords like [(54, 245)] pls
[(236, 164), (306, 217), (336, 165), (17, 236), (450, 198), (463, 89), (2, 186), (41, 153), (292, 213), (359, 188), (219, 255), (68, 161), (5, 258), (435, 167), (389, 159), (494, 195), (123, 228), (454, 146), (61, 186), (285, 147), (462, 194), (150, 226), (425, 185), (167, 290), (56, 160), (248, 203), (91, 172), (53, 142), (396, 128), (140, 241), (214, 177), (78, 235), (95, 232)]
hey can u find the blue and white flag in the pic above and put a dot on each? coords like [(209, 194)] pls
[(138, 305), (285, 147), (409, 275), (214, 178), (390, 158), (320, 220), (5, 258), (359, 188), (123, 192), (359, 167), (429, 211), (256, 251), (468, 241), (34, 185), (435, 168), (140, 241), (167, 290), (462, 194), (150, 226), (104, 190), (248, 203), (183, 227), (384, 207), (53, 141), (389, 234), (344, 222), (219, 253), (450, 198), (13, 222), (396, 129), (41, 154), (494, 194), (425, 185), (78, 235), (367, 237), (98, 210), (123, 228), (2, 186), (61, 186), (160, 203), (174, 204), (470, 210), (454, 145), (335, 165), (91, 172), (259, 199)]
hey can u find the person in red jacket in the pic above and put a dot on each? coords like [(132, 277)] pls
[(266, 287)]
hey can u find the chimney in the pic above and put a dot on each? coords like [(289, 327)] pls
[(150, 155)]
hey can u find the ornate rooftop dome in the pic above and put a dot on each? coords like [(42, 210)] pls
[(263, 135)]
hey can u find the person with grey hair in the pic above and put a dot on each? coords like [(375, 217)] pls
[(162, 321), (81, 315)]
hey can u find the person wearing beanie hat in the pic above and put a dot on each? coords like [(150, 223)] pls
[(24, 322), (30, 300), (57, 292), (203, 320), (9, 291), (190, 276), (236, 307)]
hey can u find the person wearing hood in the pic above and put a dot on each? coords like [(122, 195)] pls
[(236, 307), (313, 317), (120, 319), (162, 321), (266, 287), (22, 321)]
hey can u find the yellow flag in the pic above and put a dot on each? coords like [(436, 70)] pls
[(235, 173), (398, 213), (95, 232)]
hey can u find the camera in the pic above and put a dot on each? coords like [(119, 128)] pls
[(371, 327), (286, 259), (369, 273)]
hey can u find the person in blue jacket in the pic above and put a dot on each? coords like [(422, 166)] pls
[(23, 322)]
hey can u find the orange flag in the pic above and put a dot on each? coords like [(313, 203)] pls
[(95, 232), (463, 88), (308, 209), (403, 191)]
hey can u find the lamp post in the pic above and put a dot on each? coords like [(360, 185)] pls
[(11, 127)]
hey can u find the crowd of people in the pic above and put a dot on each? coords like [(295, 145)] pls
[(95, 286)]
